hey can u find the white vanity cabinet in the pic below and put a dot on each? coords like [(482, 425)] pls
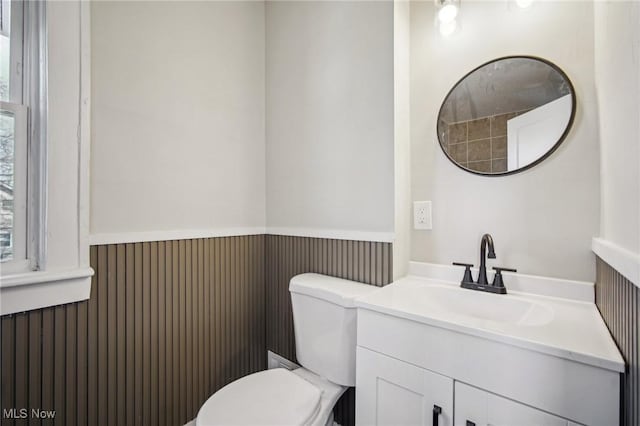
[(392, 392), (405, 368)]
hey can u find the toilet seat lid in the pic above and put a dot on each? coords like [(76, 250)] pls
[(271, 397)]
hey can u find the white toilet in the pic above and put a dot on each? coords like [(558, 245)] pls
[(324, 319)]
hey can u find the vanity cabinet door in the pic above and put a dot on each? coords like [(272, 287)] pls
[(392, 392), (475, 407)]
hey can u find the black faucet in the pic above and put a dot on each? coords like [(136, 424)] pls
[(486, 241), (483, 284)]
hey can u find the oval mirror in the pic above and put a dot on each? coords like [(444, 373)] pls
[(506, 115)]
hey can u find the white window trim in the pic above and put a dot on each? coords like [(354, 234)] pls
[(34, 290), (57, 276), (35, 95)]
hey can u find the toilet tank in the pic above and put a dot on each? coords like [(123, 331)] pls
[(324, 320)]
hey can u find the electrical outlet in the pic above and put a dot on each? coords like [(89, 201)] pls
[(422, 215)]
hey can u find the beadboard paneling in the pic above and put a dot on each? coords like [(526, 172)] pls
[(366, 262), (168, 323), (618, 300)]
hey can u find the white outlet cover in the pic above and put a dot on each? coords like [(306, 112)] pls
[(422, 215)]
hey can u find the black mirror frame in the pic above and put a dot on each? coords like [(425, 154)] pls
[(550, 151)]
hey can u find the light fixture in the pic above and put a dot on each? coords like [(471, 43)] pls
[(446, 13), (448, 28)]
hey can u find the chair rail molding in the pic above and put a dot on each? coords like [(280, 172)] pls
[(624, 261)]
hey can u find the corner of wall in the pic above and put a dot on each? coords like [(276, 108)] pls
[(402, 140)]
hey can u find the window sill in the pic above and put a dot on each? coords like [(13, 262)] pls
[(34, 290)]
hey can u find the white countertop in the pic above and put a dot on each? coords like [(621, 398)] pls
[(566, 328)]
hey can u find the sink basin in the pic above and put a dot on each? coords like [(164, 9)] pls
[(469, 306), (484, 306)]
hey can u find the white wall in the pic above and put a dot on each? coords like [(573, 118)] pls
[(329, 111), (178, 117), (543, 219), (617, 64)]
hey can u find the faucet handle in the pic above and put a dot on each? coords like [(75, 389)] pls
[(497, 280), (468, 278), (499, 269)]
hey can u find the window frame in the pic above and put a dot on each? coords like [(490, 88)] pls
[(34, 95), (20, 261), (28, 98)]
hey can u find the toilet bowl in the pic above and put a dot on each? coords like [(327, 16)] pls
[(324, 318)]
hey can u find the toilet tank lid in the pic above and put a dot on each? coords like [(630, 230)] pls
[(335, 290)]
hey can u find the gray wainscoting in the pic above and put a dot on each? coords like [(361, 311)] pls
[(366, 262), (167, 324), (618, 300)]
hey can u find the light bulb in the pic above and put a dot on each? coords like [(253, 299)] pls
[(448, 13), (448, 28), (523, 4)]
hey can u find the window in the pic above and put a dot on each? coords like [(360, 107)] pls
[(13, 140), (44, 120)]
